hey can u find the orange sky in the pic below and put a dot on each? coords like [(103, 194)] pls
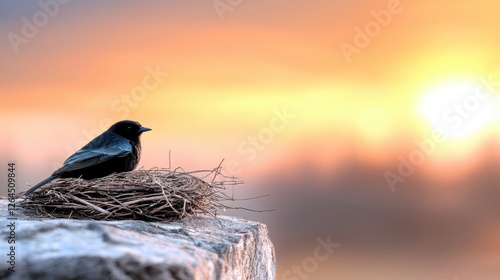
[(226, 78), (267, 86)]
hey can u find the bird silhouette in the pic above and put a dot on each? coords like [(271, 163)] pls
[(118, 149)]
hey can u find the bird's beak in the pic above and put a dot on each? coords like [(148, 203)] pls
[(144, 129)]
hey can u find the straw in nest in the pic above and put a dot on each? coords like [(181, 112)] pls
[(155, 194)]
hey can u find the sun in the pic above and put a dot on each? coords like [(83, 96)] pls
[(459, 108)]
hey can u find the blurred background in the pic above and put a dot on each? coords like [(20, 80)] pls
[(372, 124)]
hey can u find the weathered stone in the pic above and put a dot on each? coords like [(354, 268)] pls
[(204, 248)]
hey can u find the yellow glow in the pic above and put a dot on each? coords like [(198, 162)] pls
[(459, 108)]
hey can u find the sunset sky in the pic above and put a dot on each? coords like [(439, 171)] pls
[(223, 78), (266, 85)]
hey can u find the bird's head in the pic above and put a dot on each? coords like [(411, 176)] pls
[(129, 129)]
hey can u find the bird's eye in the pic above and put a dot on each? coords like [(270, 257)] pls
[(129, 128)]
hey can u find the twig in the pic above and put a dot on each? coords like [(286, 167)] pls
[(99, 209)]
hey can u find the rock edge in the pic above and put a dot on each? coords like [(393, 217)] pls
[(203, 248)]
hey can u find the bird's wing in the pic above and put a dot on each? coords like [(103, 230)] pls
[(89, 156)]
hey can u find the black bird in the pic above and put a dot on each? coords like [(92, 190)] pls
[(118, 149)]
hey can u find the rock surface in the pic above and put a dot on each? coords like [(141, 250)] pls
[(205, 248)]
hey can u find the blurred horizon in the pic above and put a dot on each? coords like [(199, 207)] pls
[(373, 122)]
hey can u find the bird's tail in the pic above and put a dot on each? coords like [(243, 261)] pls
[(40, 184)]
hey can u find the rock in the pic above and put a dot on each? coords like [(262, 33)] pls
[(204, 248)]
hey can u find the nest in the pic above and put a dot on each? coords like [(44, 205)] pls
[(152, 195)]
